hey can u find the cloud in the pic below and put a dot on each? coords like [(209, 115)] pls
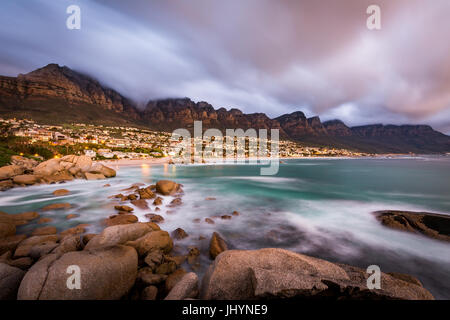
[(256, 55)]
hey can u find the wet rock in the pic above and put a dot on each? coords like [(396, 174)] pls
[(166, 268), (10, 278), (193, 255), (432, 225), (149, 293), (235, 213), (186, 288), (157, 209), (81, 228), (151, 241), (26, 179), (10, 243), (209, 221), (217, 245), (158, 201), (210, 199), (146, 193), (141, 204), (225, 217), (57, 206), (107, 172), (44, 231), (156, 218), (61, 192), (72, 216), (179, 234), (175, 203), (120, 219), (197, 220), (167, 187), (147, 277), (6, 185), (278, 273), (107, 274), (154, 258), (94, 176), (124, 208), (44, 220), (119, 234)]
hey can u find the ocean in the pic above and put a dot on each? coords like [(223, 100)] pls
[(319, 207)]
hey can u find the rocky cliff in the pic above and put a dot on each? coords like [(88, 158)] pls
[(55, 94)]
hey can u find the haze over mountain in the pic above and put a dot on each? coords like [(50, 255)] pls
[(55, 94)]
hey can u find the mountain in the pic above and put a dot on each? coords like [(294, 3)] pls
[(55, 94)]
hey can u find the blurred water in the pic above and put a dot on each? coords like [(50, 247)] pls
[(321, 207)]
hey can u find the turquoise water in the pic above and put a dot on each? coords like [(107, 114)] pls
[(320, 207)]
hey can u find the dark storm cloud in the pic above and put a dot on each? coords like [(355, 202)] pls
[(261, 56)]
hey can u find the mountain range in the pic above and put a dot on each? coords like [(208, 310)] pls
[(55, 94)]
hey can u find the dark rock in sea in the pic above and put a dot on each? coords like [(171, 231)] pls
[(432, 225)]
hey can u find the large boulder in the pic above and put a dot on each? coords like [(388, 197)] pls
[(186, 288), (26, 179), (106, 274), (6, 185), (25, 246), (7, 172), (83, 162), (119, 234), (23, 162), (167, 187), (217, 245), (10, 278), (278, 273), (94, 176), (48, 168)]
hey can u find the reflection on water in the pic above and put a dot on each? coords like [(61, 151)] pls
[(318, 207)]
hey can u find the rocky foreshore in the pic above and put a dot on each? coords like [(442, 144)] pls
[(135, 260), (25, 172)]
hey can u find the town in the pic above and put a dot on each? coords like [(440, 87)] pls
[(106, 142)]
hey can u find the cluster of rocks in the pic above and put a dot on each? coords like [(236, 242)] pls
[(432, 225), (25, 172)]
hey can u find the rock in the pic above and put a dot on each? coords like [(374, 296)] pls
[(152, 240), (156, 218), (278, 273), (6, 185), (120, 219), (225, 217), (149, 293), (24, 247), (141, 204), (94, 176), (210, 199), (23, 162), (28, 216), (42, 249), (10, 243), (235, 213), (119, 234), (69, 244), (193, 255), (166, 268), (10, 278), (147, 277), (7, 229), (432, 225), (157, 209), (217, 245), (79, 229), (104, 170), (57, 206), (44, 231), (167, 187), (106, 185), (44, 220), (8, 172), (173, 279), (22, 263), (146, 193), (209, 221), (132, 197), (26, 179), (153, 259), (61, 192), (175, 203), (158, 201), (48, 168), (60, 176), (72, 216), (186, 288), (82, 162), (124, 208), (88, 237), (179, 234), (106, 274)]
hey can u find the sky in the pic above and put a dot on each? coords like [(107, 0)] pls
[(271, 56)]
